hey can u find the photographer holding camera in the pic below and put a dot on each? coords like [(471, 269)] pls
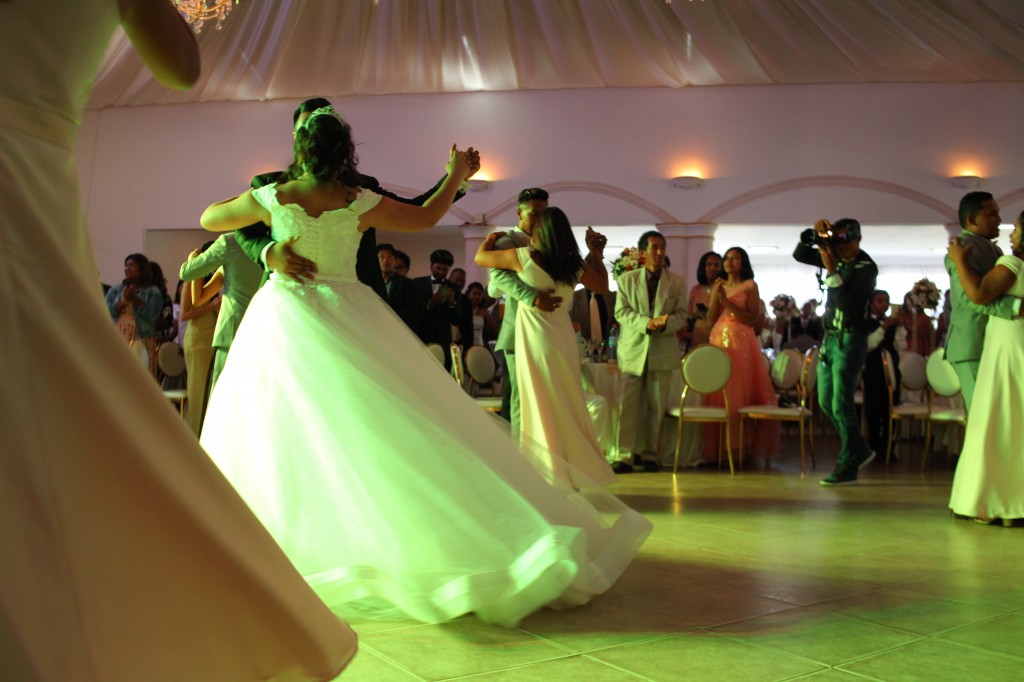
[(850, 280)]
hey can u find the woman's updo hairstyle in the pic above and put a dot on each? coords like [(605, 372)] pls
[(324, 149)]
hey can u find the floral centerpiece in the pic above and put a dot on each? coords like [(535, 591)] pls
[(631, 258), (924, 295), (784, 307)]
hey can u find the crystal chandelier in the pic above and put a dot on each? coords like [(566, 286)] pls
[(198, 12)]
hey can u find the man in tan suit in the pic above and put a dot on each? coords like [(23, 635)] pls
[(650, 308)]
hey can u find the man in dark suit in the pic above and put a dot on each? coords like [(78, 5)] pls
[(399, 289), (437, 304), (582, 309), (257, 243)]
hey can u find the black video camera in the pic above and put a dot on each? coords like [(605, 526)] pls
[(850, 234)]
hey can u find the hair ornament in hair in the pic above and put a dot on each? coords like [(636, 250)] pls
[(323, 111)]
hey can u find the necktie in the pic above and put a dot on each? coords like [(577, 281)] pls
[(595, 319)]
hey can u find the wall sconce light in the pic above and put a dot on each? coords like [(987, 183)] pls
[(965, 182), (687, 182), (479, 185)]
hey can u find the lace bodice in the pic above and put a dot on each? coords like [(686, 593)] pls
[(330, 240)]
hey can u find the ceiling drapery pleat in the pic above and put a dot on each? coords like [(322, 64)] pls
[(276, 49)]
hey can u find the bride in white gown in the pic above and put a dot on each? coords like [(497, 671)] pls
[(387, 487), (989, 481), (554, 410)]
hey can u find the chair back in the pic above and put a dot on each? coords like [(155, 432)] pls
[(706, 369), (890, 374), (138, 349), (913, 374), (437, 352), (170, 358), (787, 368), (941, 375), (810, 376), (458, 372), (480, 365)]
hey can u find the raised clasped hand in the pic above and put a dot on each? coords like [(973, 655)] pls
[(595, 240), (458, 164)]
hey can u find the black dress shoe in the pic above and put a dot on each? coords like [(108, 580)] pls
[(622, 468), (651, 466)]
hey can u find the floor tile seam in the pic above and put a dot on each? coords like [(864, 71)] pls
[(918, 634), (391, 661), (470, 676), (967, 602), (786, 654), (613, 666), (692, 626), (917, 638), (974, 647), (643, 639)]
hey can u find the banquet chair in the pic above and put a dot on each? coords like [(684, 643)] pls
[(458, 371), (911, 412), (705, 369), (806, 369), (943, 383), (171, 361), (481, 368), (138, 349), (437, 351)]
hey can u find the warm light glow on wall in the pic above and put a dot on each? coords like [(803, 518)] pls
[(689, 168)]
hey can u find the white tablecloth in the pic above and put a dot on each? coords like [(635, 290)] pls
[(604, 379)]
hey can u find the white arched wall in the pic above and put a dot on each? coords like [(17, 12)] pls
[(772, 155)]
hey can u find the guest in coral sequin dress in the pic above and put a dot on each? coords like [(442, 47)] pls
[(735, 306)]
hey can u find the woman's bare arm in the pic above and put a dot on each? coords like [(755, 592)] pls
[(163, 40)]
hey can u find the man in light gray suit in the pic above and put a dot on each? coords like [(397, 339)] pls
[(650, 307), (241, 280), (979, 218), (532, 202)]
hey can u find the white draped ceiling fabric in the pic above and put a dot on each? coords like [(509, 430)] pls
[(294, 49)]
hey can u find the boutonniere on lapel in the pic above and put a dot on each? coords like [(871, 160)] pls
[(630, 259)]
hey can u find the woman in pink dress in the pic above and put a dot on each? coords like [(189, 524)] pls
[(733, 309), (698, 328)]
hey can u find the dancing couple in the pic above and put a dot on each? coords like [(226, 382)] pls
[(388, 488)]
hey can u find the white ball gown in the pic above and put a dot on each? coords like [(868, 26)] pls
[(126, 556), (989, 480), (388, 488)]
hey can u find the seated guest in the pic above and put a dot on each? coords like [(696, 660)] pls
[(402, 263), (436, 304), (463, 332), (807, 323), (485, 327), (399, 288), (884, 333)]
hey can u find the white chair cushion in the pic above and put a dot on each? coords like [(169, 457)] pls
[(948, 414), (701, 413), (775, 412), (786, 368), (941, 375), (912, 410), (437, 351), (912, 371), (480, 364), (706, 369)]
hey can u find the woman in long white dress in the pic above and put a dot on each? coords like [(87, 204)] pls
[(989, 480), (554, 411), (126, 555), (388, 487)]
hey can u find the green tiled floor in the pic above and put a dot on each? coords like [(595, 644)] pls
[(761, 576)]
